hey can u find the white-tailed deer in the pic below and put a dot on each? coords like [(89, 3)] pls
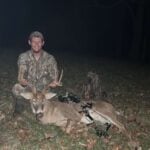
[(51, 111), (58, 113)]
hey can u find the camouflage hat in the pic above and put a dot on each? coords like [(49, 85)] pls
[(36, 34)]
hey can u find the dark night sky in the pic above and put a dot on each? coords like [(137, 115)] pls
[(102, 26)]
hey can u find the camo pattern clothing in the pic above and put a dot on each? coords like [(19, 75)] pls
[(38, 73)]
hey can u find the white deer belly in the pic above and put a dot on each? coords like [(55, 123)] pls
[(86, 120), (95, 116)]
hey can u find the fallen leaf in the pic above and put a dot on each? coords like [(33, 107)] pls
[(82, 144), (107, 139), (131, 118), (134, 145), (23, 134), (49, 135), (90, 143), (116, 147)]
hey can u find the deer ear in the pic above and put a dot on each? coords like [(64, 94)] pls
[(27, 95), (49, 95)]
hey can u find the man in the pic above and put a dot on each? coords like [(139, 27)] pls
[(35, 68)]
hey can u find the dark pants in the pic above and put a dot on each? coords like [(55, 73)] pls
[(20, 104)]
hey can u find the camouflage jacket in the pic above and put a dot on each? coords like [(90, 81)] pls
[(38, 73)]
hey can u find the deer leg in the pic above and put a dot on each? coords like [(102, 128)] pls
[(122, 128), (68, 126)]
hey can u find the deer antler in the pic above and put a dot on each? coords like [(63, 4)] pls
[(58, 83), (60, 78), (34, 91), (33, 88)]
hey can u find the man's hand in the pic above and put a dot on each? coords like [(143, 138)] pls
[(55, 84)]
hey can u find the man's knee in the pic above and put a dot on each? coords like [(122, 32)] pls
[(17, 89), (19, 102)]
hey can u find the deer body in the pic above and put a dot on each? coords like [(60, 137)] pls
[(67, 115), (58, 113)]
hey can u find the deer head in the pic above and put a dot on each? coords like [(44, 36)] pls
[(37, 99)]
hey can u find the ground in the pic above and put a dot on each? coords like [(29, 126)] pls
[(127, 87)]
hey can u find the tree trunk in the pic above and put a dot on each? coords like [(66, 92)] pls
[(138, 38)]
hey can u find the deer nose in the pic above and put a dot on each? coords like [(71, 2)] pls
[(39, 115)]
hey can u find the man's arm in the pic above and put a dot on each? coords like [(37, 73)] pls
[(21, 73), (22, 69), (53, 71)]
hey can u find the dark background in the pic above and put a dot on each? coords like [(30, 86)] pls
[(112, 28)]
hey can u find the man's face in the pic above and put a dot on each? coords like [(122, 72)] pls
[(36, 44)]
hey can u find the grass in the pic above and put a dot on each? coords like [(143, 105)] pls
[(127, 86)]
